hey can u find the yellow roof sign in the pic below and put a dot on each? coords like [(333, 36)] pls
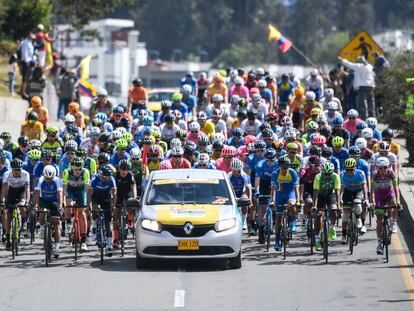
[(361, 45)]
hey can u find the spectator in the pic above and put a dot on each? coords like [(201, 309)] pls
[(12, 72), (40, 45), (26, 51), (365, 83), (37, 83), (66, 92), (349, 90), (136, 94)]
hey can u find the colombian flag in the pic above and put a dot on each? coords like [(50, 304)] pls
[(87, 89), (275, 36), (84, 67)]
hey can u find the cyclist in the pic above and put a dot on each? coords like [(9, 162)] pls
[(284, 190), (295, 160), (385, 191), (70, 150), (102, 193), (15, 191), (53, 142), (48, 195), (29, 165), (326, 191), (101, 104), (262, 184), (169, 128), (237, 139), (42, 112), (89, 163), (121, 152), (46, 159), (353, 193), (388, 135), (8, 145), (307, 176), (32, 127), (177, 160), (126, 188), (224, 163), (138, 169), (76, 179), (203, 161), (384, 151), (118, 119), (22, 149), (372, 124), (90, 143), (339, 151), (251, 126)]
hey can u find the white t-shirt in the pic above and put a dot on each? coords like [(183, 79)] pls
[(16, 182)]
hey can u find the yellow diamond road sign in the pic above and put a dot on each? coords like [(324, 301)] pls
[(361, 45)]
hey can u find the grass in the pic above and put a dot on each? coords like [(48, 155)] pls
[(4, 77)]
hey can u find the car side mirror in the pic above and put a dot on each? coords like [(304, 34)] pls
[(133, 203)]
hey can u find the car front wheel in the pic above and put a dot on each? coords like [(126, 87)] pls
[(235, 262)]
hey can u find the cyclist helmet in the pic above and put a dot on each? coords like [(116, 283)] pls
[(337, 121), (128, 136), (241, 113), (299, 91), (77, 162), (309, 95), (387, 133), (338, 141), (372, 122), (217, 98), (16, 164), (286, 121), (189, 147), (350, 163), (104, 157), (201, 116), (256, 98), (177, 97), (251, 114), (181, 134), (229, 151), (203, 139), (194, 126), (352, 113), (315, 112), (81, 152), (325, 130), (312, 126), (155, 151), (329, 92), (35, 144), (177, 151), (272, 116), (175, 142), (49, 171), (203, 158), (5, 136), (219, 137), (170, 117), (237, 132), (177, 114), (121, 144), (327, 152), (71, 145), (319, 140), (250, 139), (290, 135), (251, 147), (361, 142), (234, 99), (147, 121), (124, 164), (52, 130), (105, 170), (135, 153), (104, 137), (23, 141), (116, 135), (165, 104), (383, 146), (361, 125), (315, 150), (36, 101), (383, 162), (260, 145), (314, 160), (332, 105), (283, 161), (47, 154), (186, 89), (118, 109), (270, 154), (236, 165), (367, 133), (354, 151), (32, 116), (165, 165), (69, 118), (328, 168), (292, 146), (157, 134), (216, 113), (217, 145), (35, 154)]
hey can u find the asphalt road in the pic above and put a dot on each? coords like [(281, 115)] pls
[(361, 281)]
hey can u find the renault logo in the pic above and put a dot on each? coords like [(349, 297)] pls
[(188, 227)]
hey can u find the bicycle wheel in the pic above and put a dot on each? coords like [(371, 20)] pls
[(101, 237), (385, 238), (284, 236), (121, 232), (46, 245), (311, 234), (351, 236), (76, 237), (325, 239), (32, 228), (13, 237)]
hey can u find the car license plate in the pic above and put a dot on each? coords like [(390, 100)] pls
[(188, 245)]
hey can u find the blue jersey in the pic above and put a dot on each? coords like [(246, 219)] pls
[(49, 192), (267, 94), (240, 183), (285, 184), (364, 166), (115, 158), (181, 107), (355, 182), (189, 81), (38, 169), (341, 156), (264, 171), (335, 162), (251, 161), (191, 102), (102, 187), (28, 167), (377, 135), (8, 155), (285, 90), (232, 142), (64, 163)]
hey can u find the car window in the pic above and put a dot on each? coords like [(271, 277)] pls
[(159, 96), (189, 193)]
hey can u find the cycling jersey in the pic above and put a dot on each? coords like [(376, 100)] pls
[(307, 178), (239, 183), (184, 163), (102, 188), (355, 182), (222, 166), (265, 172), (115, 158), (249, 128), (49, 192), (208, 128), (326, 185), (232, 142), (341, 155), (75, 183), (285, 184), (168, 132), (364, 166), (16, 182), (124, 186), (384, 187), (38, 169), (32, 131), (391, 157), (251, 161), (285, 92), (297, 163)]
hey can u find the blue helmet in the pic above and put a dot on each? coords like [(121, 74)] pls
[(102, 116), (237, 131), (147, 131), (260, 145), (270, 154), (361, 125), (147, 121), (354, 150), (118, 109), (337, 120)]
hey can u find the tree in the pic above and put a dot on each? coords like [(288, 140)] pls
[(325, 52)]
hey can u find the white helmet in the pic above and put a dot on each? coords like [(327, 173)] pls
[(352, 113), (69, 118), (1, 144), (135, 153), (175, 142), (367, 133), (262, 83), (116, 135), (309, 95), (314, 72), (256, 98), (260, 71), (236, 164), (194, 126), (102, 92), (332, 105), (286, 121), (122, 130), (321, 118), (218, 137), (177, 151), (203, 75), (372, 122), (238, 80), (217, 98), (186, 89), (383, 162), (361, 143), (49, 171), (203, 158), (329, 92), (216, 113)]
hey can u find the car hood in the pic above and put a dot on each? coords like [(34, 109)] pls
[(179, 214)]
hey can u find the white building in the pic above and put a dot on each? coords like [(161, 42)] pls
[(395, 41), (116, 55)]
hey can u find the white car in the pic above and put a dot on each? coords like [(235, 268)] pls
[(188, 213)]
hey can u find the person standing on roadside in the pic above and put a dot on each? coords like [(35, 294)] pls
[(66, 92), (26, 51), (40, 45), (136, 94), (365, 83), (12, 72)]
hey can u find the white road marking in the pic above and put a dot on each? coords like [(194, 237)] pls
[(179, 298)]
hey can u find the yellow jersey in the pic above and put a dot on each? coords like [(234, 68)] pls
[(32, 131), (42, 113), (209, 128)]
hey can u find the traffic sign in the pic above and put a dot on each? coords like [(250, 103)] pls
[(361, 45)]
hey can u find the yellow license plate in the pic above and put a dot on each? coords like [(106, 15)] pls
[(188, 245)]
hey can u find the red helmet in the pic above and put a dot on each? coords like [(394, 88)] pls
[(254, 90), (155, 151), (272, 116), (319, 140), (250, 139), (229, 151)]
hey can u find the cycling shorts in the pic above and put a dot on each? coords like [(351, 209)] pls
[(14, 196), (282, 199), (121, 200), (326, 200), (381, 201), (77, 195), (50, 205), (349, 196)]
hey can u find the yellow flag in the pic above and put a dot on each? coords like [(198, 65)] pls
[(84, 67), (49, 56), (274, 34)]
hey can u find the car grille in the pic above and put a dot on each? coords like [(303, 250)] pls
[(173, 251), (178, 231)]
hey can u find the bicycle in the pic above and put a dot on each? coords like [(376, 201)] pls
[(285, 230), (47, 236), (122, 228), (352, 230), (100, 232), (386, 232), (15, 230), (31, 222), (325, 233), (310, 218), (75, 234), (267, 221)]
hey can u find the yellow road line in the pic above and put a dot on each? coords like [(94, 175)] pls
[(404, 267)]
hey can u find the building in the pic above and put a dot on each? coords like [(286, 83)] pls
[(395, 40), (115, 49)]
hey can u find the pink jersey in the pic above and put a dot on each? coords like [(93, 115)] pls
[(222, 166), (242, 91)]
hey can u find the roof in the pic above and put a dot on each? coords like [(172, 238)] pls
[(192, 174)]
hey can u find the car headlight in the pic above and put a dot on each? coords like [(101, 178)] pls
[(225, 224), (151, 225)]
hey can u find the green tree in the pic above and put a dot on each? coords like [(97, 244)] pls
[(325, 52)]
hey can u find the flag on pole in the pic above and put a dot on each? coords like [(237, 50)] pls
[(84, 67), (49, 53), (87, 89), (276, 37)]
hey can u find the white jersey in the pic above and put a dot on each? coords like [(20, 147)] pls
[(221, 127), (251, 129), (262, 109), (168, 133), (93, 150), (16, 182)]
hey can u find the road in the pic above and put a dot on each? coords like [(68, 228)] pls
[(361, 281)]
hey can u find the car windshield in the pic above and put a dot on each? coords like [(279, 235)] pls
[(215, 192), (155, 97)]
